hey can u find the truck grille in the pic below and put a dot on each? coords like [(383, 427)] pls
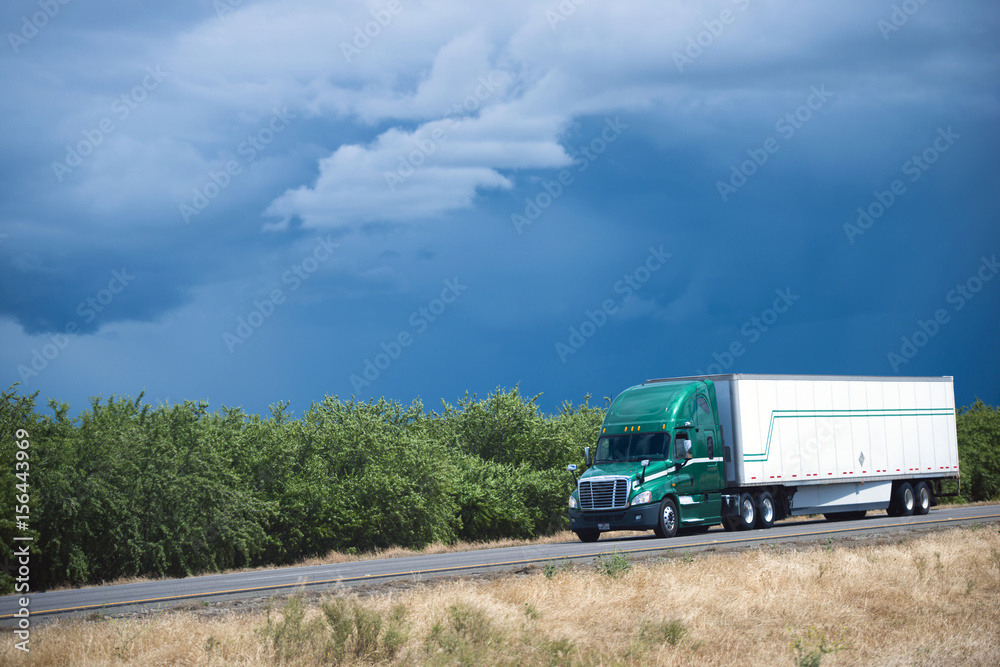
[(604, 493), (604, 518)]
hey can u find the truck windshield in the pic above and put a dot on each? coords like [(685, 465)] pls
[(633, 447)]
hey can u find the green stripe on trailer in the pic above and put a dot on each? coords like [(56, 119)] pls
[(874, 412)]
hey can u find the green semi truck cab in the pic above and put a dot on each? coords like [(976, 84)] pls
[(747, 450), (657, 463)]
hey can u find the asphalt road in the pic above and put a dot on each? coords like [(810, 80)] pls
[(164, 593)]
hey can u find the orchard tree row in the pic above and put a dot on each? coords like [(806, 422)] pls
[(126, 488)]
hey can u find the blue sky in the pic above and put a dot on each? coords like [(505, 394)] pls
[(249, 202)]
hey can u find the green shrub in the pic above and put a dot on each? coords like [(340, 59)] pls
[(613, 564), (359, 633), (125, 488), (979, 451), (667, 631)]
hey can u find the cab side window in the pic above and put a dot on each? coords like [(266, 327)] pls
[(703, 405), (703, 419)]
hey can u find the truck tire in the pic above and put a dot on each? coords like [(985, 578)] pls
[(902, 500), (923, 498), (588, 535), (765, 510), (669, 521), (748, 513)]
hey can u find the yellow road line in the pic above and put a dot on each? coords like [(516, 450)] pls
[(497, 564)]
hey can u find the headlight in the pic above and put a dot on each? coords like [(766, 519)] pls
[(572, 502), (642, 498)]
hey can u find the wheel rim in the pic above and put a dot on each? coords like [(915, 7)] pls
[(925, 498), (768, 513), (669, 519), (748, 511), (908, 499)]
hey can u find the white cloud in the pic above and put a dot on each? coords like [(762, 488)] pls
[(522, 77), (434, 169)]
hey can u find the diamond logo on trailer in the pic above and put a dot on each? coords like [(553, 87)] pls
[(861, 459)]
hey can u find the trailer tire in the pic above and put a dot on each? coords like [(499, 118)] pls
[(669, 521), (902, 500), (748, 513), (765, 510), (588, 535), (922, 498)]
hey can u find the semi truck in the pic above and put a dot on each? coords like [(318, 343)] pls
[(744, 451)]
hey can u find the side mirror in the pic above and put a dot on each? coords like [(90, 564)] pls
[(586, 455), (643, 463), (682, 449), (571, 467)]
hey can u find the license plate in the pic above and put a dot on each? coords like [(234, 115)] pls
[(604, 526)]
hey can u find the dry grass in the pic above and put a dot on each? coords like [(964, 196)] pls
[(928, 601)]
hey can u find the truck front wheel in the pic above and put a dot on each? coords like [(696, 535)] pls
[(588, 535), (748, 513), (667, 524)]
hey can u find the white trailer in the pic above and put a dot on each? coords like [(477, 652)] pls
[(839, 444)]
